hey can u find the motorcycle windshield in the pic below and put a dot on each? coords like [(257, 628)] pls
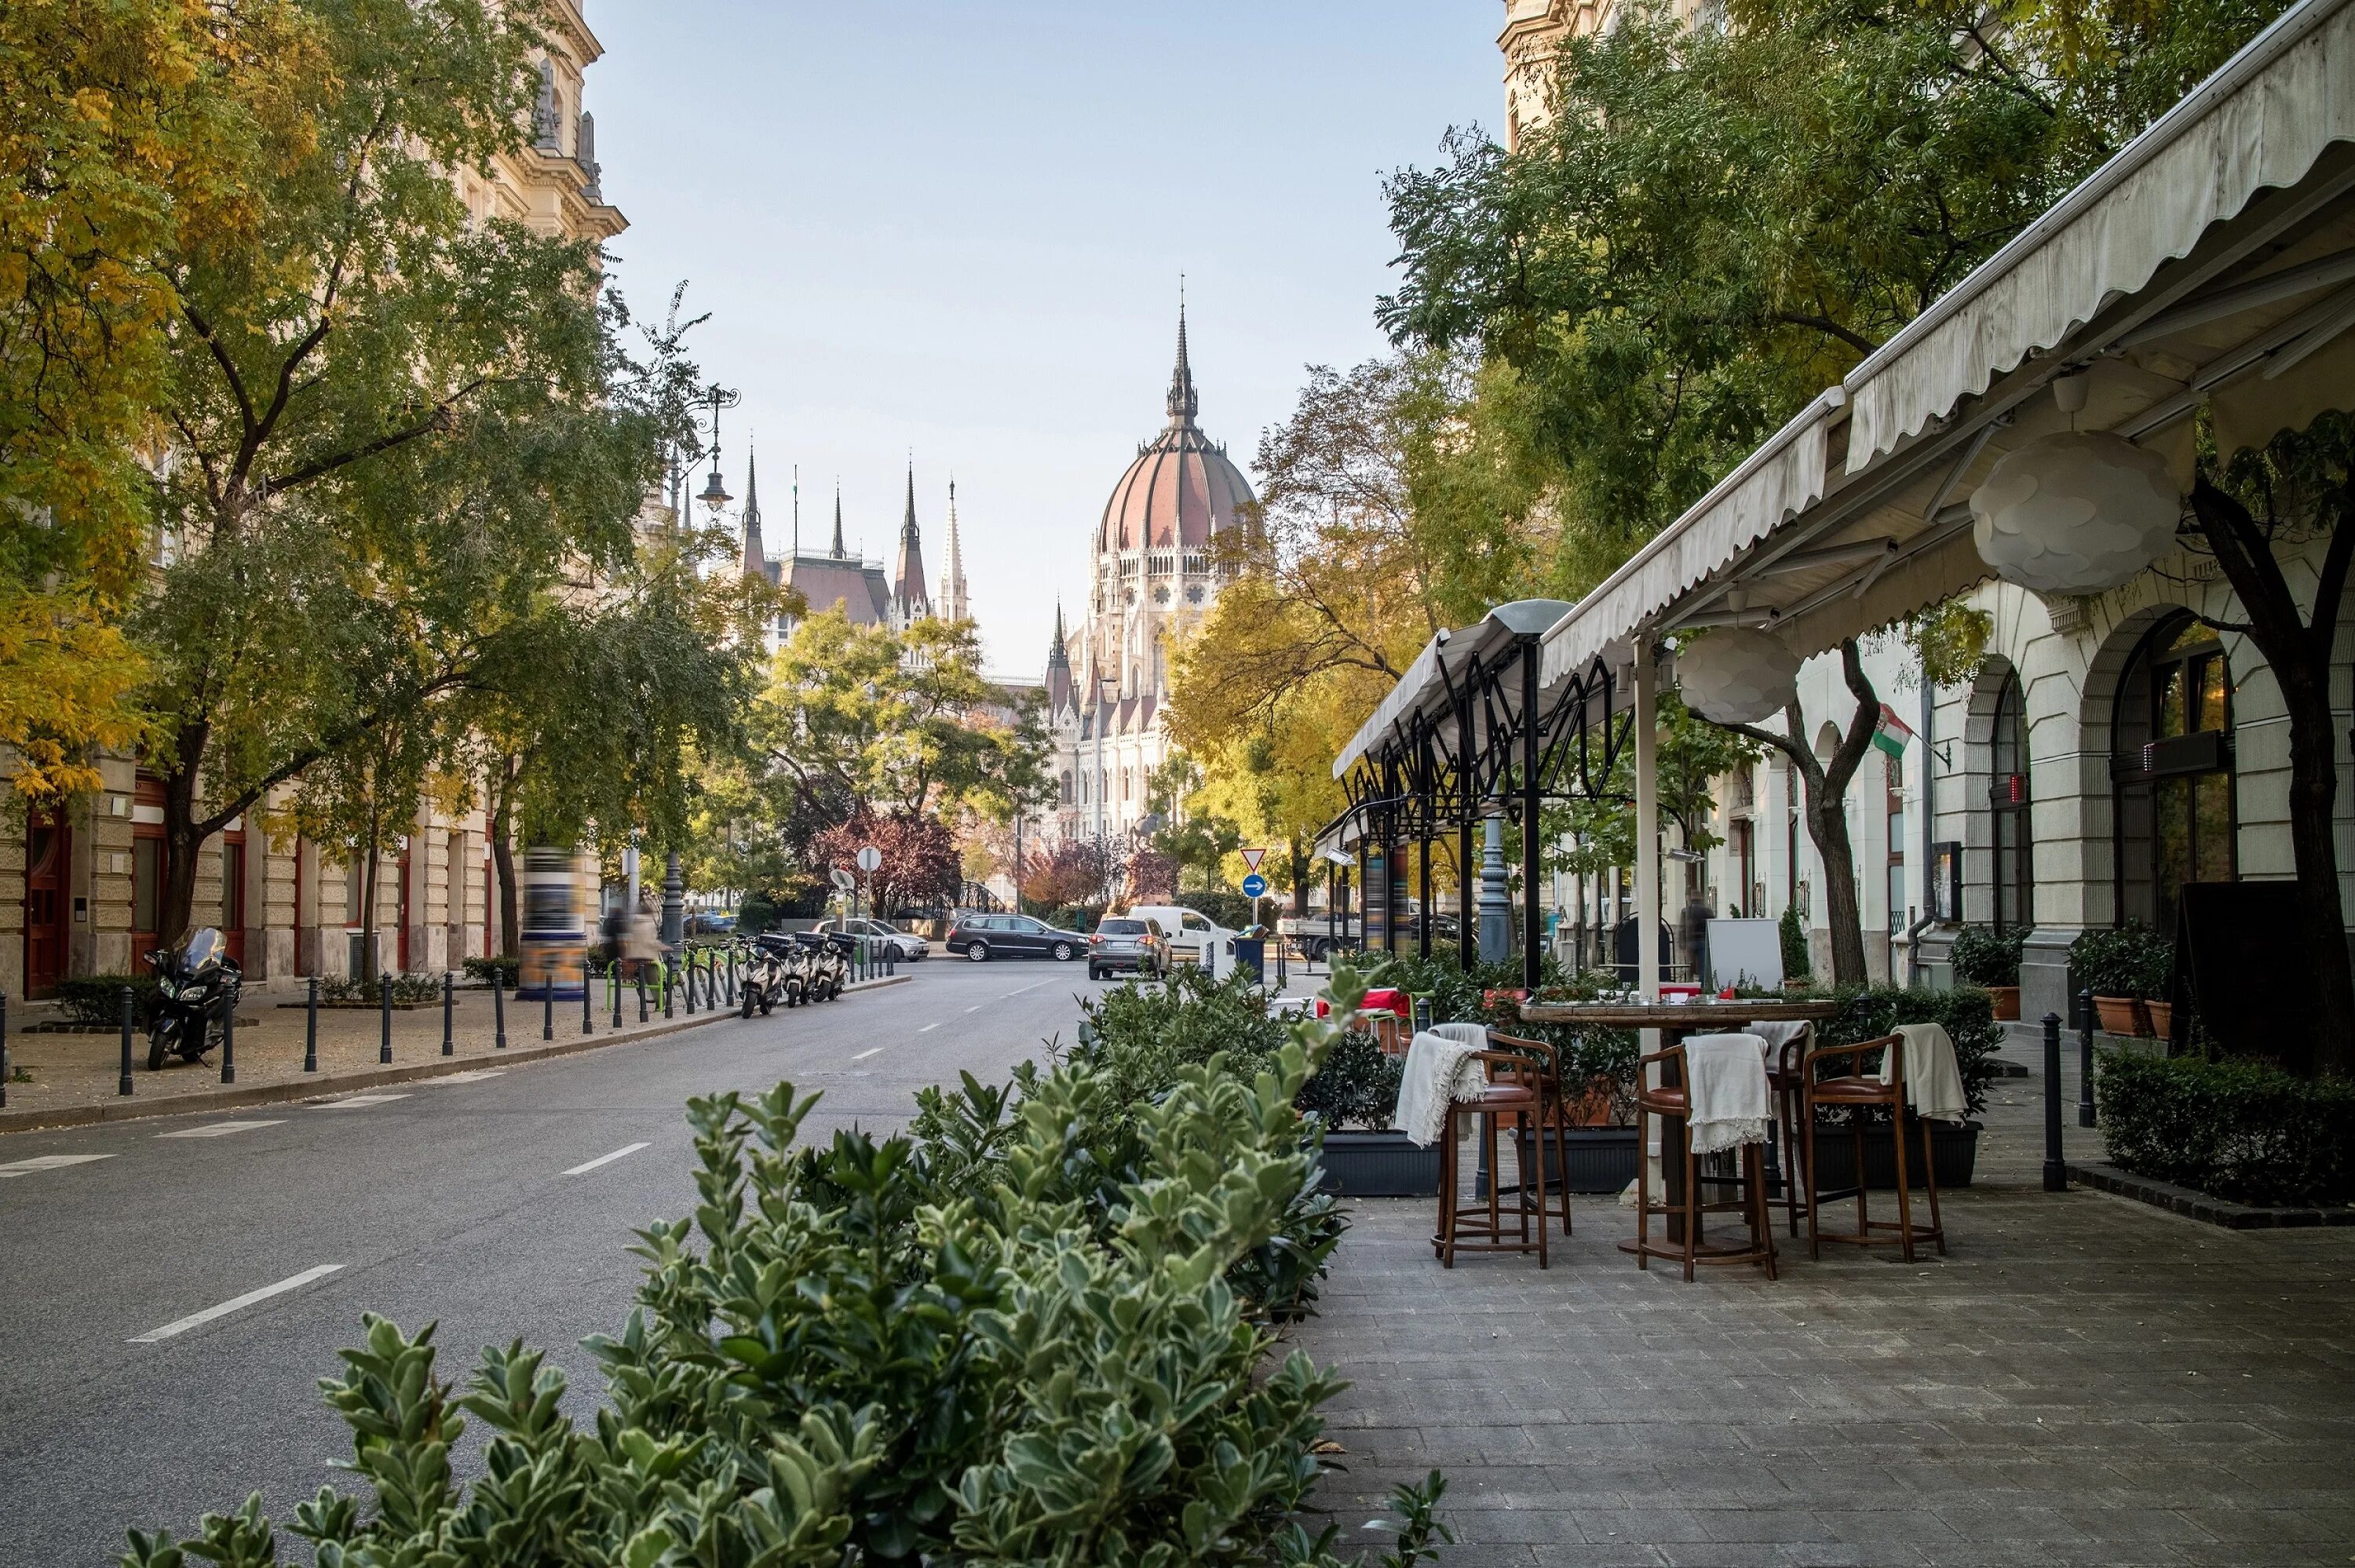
[(207, 947)]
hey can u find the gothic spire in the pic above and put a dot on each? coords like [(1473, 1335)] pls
[(1183, 403), (755, 556), (838, 520), (908, 586), (954, 605)]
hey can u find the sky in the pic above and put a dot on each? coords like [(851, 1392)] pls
[(955, 230)]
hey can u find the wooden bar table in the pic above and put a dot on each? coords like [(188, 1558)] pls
[(1675, 1020)]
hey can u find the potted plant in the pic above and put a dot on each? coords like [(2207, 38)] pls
[(1355, 1096), (1989, 959), (2127, 968)]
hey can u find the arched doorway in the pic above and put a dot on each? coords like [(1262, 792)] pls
[(2011, 838), (2171, 769), (48, 844)]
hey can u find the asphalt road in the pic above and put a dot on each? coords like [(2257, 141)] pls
[(498, 1205)]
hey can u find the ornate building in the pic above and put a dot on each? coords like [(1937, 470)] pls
[(1153, 574), (862, 590), (1534, 33)]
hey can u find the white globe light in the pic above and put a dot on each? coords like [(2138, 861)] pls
[(1734, 675), (2075, 512)]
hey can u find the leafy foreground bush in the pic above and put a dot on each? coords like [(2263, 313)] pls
[(2240, 1130), (1012, 1335)]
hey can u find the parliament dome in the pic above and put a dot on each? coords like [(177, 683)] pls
[(1181, 490)]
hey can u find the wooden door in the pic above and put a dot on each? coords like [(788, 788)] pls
[(233, 909), (48, 844)]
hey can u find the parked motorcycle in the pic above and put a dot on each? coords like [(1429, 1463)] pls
[(766, 979), (793, 966), (829, 963), (197, 989)]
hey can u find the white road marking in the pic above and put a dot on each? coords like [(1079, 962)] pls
[(46, 1162), (218, 1129), (874, 1051), (196, 1319), (975, 1008), (474, 1076), (352, 1102), (621, 1153), (1034, 985), (928, 1028)]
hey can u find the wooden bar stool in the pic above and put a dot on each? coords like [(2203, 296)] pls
[(1517, 1090), (1555, 1125), (1670, 1100), (1858, 1094)]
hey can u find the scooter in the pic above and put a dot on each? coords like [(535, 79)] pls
[(196, 988), (766, 979), (791, 960), (829, 964)]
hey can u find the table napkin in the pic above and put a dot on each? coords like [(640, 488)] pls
[(1726, 1077), (1439, 1068), (1933, 1084)]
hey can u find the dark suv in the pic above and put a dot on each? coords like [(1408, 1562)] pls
[(1127, 942), (980, 938)]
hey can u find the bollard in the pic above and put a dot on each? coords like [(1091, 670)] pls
[(669, 982), (499, 1009), (2056, 1173), (311, 1028), (448, 1002), (614, 971), (229, 1039), (642, 994), (547, 1006), (588, 1011), (2085, 1057), (735, 986), (123, 1086), (3, 1047), (384, 999), (687, 979)]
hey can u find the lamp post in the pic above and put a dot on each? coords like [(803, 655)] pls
[(715, 490)]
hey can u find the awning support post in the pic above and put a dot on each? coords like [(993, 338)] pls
[(1532, 927), (1648, 827)]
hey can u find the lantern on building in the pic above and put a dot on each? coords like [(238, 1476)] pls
[(1735, 675), (2076, 512)]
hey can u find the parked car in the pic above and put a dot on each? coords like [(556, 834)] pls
[(711, 923), (1127, 942), (880, 935), (1194, 936), (980, 938)]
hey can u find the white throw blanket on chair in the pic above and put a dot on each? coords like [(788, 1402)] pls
[(1934, 1082), (1726, 1077), (1439, 1068)]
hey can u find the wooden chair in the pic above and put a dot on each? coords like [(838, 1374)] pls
[(1555, 1125), (1858, 1094), (1669, 1097), (1518, 1090), (1790, 1065)]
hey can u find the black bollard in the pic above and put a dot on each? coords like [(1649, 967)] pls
[(547, 1006), (123, 1085), (499, 1009), (229, 1041), (2085, 1057), (2056, 1173), (642, 994), (311, 1027), (384, 1006), (687, 979), (614, 973), (448, 1002), (588, 1011), (3, 1047), (670, 983)]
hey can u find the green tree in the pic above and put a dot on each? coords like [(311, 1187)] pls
[(1192, 834), (395, 430)]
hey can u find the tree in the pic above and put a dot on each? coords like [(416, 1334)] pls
[(395, 430), (1073, 871), (131, 127), (1193, 836), (919, 867), (2301, 485), (1689, 754), (362, 796)]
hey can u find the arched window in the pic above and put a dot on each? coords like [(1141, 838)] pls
[(2173, 771), (2010, 841)]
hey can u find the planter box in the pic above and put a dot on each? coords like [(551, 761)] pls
[(1379, 1165), (1599, 1160), (1954, 1147), (2006, 1000), (2122, 1015)]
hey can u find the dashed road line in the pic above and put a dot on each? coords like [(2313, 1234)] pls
[(1034, 985), (623, 1153), (472, 1075), (975, 1008), (236, 1303), (40, 1162), (360, 1102), (872, 1050), (928, 1028), (221, 1129)]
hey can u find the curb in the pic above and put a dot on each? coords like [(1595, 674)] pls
[(135, 1109), (2201, 1206)]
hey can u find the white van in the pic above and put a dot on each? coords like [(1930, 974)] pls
[(1194, 938)]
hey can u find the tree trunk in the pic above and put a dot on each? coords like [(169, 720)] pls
[(1299, 856), (177, 898), (2299, 652), (368, 965), (1827, 797), (502, 827)]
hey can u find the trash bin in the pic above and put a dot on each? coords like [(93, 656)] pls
[(1251, 958)]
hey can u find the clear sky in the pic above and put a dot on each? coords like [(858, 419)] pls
[(956, 227)]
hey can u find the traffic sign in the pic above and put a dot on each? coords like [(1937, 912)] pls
[(844, 880), (1252, 857), (870, 858), (1254, 886)]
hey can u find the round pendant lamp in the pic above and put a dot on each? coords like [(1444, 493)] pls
[(2076, 512), (1734, 675)]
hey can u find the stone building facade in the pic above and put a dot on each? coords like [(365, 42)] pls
[(79, 885)]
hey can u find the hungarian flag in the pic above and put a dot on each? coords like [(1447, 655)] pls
[(1890, 734)]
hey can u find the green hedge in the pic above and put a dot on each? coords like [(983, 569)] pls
[(98, 999), (1984, 956), (1968, 1012), (2239, 1130), (1032, 1329), (505, 970)]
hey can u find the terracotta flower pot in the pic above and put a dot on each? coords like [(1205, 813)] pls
[(2162, 1018), (2120, 1015), (2007, 1001)]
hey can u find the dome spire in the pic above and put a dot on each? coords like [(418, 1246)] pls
[(837, 519), (1183, 403)]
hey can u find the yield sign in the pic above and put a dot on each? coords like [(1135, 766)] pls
[(1252, 857)]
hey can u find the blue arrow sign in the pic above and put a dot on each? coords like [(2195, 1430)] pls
[(1254, 886)]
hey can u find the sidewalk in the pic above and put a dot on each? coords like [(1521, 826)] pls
[(75, 1079), (2084, 1378)]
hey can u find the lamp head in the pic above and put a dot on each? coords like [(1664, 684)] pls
[(715, 494)]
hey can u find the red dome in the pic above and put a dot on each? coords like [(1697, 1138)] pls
[(1181, 489)]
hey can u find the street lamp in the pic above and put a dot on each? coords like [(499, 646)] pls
[(715, 493)]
